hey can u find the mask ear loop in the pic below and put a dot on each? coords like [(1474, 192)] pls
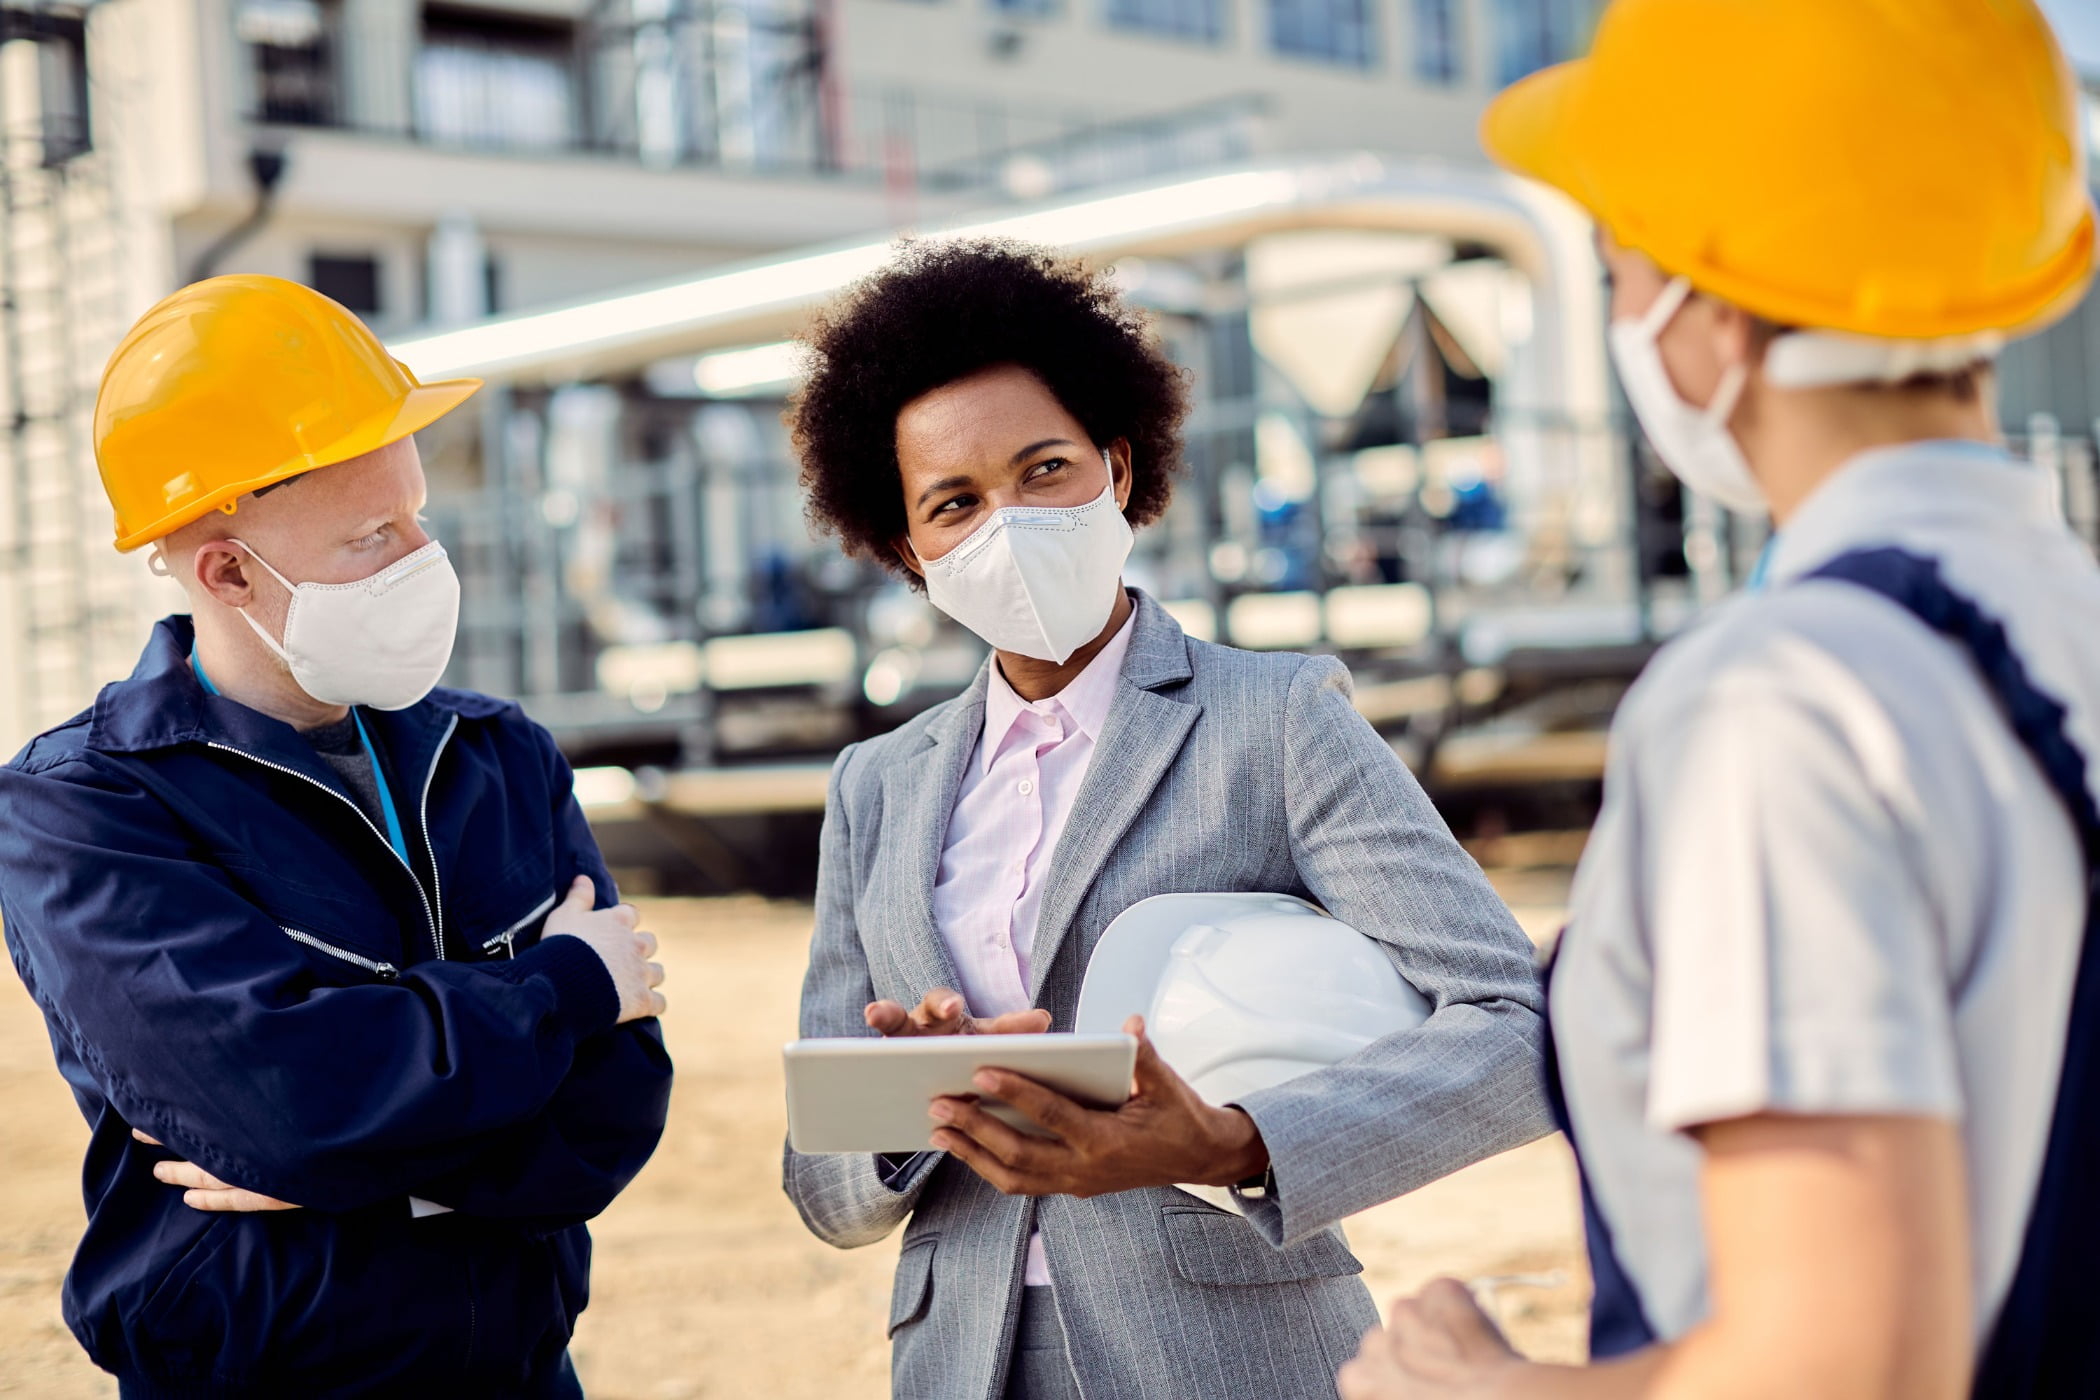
[(1666, 308), (269, 641), (249, 550), (157, 564), (1729, 392)]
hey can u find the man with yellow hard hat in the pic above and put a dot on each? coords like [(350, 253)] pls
[(328, 955), (1827, 1009)]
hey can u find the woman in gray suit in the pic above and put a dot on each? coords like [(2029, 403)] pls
[(992, 422)]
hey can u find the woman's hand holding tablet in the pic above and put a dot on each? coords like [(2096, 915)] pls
[(1043, 1142), (874, 1095)]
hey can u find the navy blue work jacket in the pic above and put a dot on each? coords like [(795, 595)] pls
[(232, 957)]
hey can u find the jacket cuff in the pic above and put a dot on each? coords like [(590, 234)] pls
[(1262, 1200), (900, 1172), (585, 999)]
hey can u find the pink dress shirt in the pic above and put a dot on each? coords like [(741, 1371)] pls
[(1016, 796)]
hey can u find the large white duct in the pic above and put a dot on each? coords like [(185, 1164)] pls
[(1553, 389)]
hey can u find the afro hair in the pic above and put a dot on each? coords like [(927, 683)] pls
[(943, 310)]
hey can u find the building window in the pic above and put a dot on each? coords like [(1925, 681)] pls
[(495, 82), (290, 43), (1535, 34), (1439, 59), (1339, 31), (349, 279), (1202, 20)]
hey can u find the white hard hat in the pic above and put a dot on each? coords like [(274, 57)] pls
[(1243, 991)]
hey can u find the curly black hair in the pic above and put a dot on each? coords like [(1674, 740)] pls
[(942, 311)]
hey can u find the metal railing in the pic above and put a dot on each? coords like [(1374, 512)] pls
[(2073, 458), (640, 575), (684, 83)]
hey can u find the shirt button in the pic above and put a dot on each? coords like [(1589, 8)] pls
[(1027, 786)]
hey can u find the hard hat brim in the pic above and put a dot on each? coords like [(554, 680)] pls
[(423, 405), (1526, 129)]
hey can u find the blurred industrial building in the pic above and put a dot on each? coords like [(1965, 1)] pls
[(1408, 448)]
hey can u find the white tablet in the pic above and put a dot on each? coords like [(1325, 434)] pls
[(865, 1094)]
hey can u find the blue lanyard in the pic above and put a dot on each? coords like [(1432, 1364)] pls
[(386, 796), (1763, 567), (394, 835)]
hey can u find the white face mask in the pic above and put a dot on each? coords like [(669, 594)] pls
[(1037, 580), (1693, 442), (381, 641)]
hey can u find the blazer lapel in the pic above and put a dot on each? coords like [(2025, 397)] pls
[(1139, 740), (922, 795)]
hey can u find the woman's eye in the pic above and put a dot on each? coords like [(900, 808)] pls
[(946, 507), (371, 541), (1042, 469)]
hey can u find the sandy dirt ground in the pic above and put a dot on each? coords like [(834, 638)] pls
[(706, 1286)]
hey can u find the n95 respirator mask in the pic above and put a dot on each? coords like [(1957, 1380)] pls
[(381, 641), (1037, 581)]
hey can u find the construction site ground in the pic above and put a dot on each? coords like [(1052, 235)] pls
[(706, 1286)]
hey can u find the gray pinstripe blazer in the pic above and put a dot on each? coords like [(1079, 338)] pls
[(1216, 770)]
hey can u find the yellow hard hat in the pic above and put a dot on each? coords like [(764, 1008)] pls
[(1900, 169), (236, 382)]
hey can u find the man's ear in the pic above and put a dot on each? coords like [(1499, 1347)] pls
[(221, 570), (910, 556), (1119, 471)]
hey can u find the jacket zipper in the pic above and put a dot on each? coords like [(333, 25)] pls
[(509, 936), (437, 881), (386, 971), (437, 931)]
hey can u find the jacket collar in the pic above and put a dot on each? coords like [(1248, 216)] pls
[(1157, 657), (161, 705), (1879, 493), (1159, 649)]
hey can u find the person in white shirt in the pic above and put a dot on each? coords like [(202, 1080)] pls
[(991, 422), (1827, 1008)]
